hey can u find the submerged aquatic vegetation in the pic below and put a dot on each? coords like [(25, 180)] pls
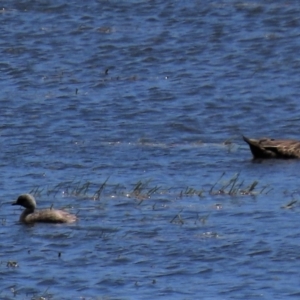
[(177, 219), (290, 205), (37, 191), (100, 190), (189, 191), (234, 186), (144, 190)]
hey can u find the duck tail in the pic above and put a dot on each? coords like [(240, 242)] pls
[(248, 141)]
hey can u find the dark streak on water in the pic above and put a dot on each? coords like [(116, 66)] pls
[(149, 91)]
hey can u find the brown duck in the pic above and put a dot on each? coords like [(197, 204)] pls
[(271, 148), (31, 215)]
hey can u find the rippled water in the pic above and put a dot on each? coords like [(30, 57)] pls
[(130, 114)]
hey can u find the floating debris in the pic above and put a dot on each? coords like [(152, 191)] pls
[(290, 205), (12, 264)]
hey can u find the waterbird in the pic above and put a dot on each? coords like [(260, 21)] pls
[(30, 215), (272, 148)]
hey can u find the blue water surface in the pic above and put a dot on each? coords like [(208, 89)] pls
[(130, 114)]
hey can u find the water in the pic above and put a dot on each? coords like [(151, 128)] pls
[(130, 113)]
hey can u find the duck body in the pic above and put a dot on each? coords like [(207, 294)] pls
[(272, 148), (30, 215)]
